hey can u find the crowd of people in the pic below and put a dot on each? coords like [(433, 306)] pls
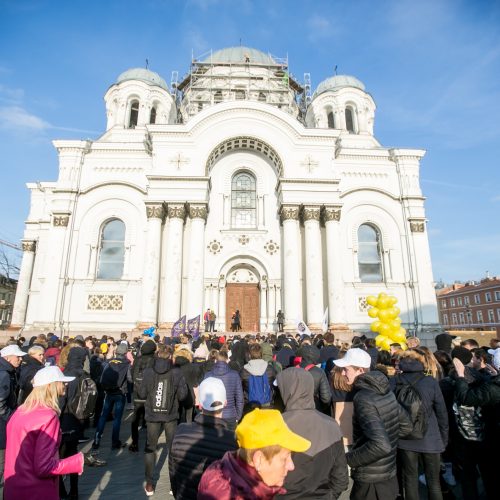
[(255, 416)]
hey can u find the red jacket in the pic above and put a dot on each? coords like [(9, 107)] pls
[(232, 479), (32, 462)]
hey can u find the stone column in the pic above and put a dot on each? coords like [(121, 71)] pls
[(314, 267), (151, 273), (207, 303), (23, 284), (172, 259), (278, 298), (221, 315), (194, 294), (272, 306), (331, 216), (291, 272), (263, 306)]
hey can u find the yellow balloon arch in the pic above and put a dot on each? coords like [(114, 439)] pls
[(387, 321)]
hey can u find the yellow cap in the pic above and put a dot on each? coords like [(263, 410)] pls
[(261, 428), (104, 348)]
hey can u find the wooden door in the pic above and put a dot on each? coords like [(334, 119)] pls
[(244, 297)]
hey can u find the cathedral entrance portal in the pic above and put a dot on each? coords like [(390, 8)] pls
[(243, 294)]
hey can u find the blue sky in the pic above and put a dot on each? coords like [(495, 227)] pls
[(432, 66)]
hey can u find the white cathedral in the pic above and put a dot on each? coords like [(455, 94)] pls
[(237, 188)]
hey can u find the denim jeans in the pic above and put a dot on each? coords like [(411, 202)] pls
[(409, 474), (116, 401), (154, 432)]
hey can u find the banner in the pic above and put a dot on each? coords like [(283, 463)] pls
[(302, 328), (179, 327), (193, 327), (325, 321)]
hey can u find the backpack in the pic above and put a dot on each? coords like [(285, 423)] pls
[(82, 405), (50, 361), (410, 399), (161, 399), (469, 422), (259, 390), (139, 367), (110, 379)]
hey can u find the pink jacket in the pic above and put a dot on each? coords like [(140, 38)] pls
[(32, 462)]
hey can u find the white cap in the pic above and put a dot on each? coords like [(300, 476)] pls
[(12, 350), (48, 375), (496, 357), (355, 357), (210, 391)]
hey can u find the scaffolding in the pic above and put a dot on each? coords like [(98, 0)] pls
[(202, 86)]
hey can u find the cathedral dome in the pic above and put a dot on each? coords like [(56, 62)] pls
[(143, 75), (239, 55), (337, 82)]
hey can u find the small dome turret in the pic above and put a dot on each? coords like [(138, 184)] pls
[(240, 55), (143, 75), (337, 82)]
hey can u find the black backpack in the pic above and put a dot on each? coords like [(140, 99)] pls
[(469, 421), (110, 378), (82, 406), (411, 400), (161, 399)]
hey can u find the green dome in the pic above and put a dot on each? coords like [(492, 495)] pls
[(143, 75), (338, 82), (239, 55)]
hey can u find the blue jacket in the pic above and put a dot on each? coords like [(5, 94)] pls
[(234, 390), (436, 437)]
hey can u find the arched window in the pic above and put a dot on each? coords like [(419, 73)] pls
[(262, 97), (218, 97), (369, 254), (243, 200), (152, 115), (349, 120), (111, 250), (240, 95), (331, 120), (134, 114)]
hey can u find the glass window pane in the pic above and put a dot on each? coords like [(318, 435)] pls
[(112, 250), (243, 200), (369, 254)]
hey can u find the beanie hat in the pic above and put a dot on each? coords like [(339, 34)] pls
[(149, 347), (122, 349), (463, 354)]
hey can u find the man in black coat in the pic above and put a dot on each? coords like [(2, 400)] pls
[(378, 422), (33, 362), (199, 443)]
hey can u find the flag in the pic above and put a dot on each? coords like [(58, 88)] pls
[(302, 328), (325, 321), (179, 327), (193, 326)]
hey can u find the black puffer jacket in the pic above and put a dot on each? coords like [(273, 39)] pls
[(436, 436), (8, 399), (378, 422), (194, 447), (162, 388), (27, 371), (322, 393)]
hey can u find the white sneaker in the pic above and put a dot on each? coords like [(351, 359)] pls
[(422, 479)]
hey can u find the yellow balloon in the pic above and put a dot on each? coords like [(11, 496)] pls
[(385, 329), (392, 312), (393, 300), (399, 337), (404, 346), (395, 323), (383, 315), (403, 330), (386, 345), (375, 326), (379, 339), (372, 312), (383, 302), (371, 300), (382, 294), (394, 331)]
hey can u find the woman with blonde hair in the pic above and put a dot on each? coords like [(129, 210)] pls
[(32, 463)]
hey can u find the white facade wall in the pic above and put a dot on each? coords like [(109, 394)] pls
[(349, 178)]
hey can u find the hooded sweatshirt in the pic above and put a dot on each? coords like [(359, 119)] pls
[(321, 471), (258, 368), (162, 388)]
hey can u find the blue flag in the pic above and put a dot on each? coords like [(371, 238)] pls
[(193, 326), (179, 327)]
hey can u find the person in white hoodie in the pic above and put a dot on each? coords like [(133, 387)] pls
[(257, 378)]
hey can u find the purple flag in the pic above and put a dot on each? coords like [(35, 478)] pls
[(193, 326), (179, 327)]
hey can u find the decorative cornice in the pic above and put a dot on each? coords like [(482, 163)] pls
[(311, 213), (417, 225), (154, 211), (28, 245), (198, 212), (290, 212), (331, 214), (176, 212), (60, 220)]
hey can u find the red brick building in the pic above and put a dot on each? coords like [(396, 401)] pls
[(470, 306)]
